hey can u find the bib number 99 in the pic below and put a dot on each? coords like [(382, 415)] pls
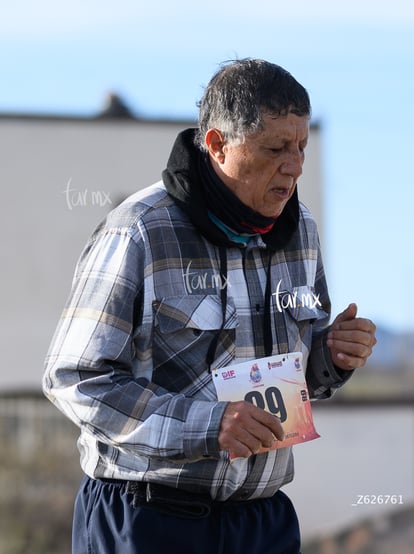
[(272, 401)]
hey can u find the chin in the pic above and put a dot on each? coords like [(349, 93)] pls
[(274, 213)]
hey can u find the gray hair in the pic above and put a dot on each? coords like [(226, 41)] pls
[(242, 92)]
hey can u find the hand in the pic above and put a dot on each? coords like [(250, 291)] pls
[(245, 429), (351, 339)]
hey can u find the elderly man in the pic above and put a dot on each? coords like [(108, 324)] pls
[(180, 279)]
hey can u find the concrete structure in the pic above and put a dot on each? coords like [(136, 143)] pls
[(60, 176)]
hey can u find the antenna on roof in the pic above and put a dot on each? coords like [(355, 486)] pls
[(115, 107)]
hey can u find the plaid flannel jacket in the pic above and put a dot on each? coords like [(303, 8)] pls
[(128, 360)]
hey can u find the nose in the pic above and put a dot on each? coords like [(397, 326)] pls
[(293, 163)]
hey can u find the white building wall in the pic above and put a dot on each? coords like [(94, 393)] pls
[(59, 177)]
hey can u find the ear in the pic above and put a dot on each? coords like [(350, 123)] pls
[(215, 144)]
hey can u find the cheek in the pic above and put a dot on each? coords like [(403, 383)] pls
[(249, 178), (258, 173)]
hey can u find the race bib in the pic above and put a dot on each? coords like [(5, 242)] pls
[(275, 384)]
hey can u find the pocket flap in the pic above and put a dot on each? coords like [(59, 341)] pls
[(302, 303), (195, 311)]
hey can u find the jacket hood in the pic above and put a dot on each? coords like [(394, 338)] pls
[(183, 181)]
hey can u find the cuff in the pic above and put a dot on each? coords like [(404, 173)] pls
[(201, 429), (322, 376)]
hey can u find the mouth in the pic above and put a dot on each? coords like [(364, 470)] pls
[(281, 192)]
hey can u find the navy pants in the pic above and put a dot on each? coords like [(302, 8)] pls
[(105, 522)]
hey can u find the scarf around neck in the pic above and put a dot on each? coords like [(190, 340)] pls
[(228, 208)]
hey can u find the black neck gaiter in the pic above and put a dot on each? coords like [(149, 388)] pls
[(227, 207)]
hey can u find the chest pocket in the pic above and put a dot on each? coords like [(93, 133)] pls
[(183, 330), (296, 310), (307, 306)]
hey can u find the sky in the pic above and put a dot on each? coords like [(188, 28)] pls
[(356, 59)]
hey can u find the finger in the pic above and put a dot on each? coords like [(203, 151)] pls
[(348, 314), (246, 440), (258, 425), (245, 429), (270, 422), (264, 435), (357, 349), (246, 443), (358, 323), (358, 337), (238, 450), (256, 438), (243, 442), (346, 362)]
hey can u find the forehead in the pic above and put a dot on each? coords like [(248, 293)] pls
[(286, 127)]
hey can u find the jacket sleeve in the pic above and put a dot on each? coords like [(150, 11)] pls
[(322, 376), (93, 373)]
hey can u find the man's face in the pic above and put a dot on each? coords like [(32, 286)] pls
[(262, 171)]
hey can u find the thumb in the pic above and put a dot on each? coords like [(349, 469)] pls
[(349, 313)]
